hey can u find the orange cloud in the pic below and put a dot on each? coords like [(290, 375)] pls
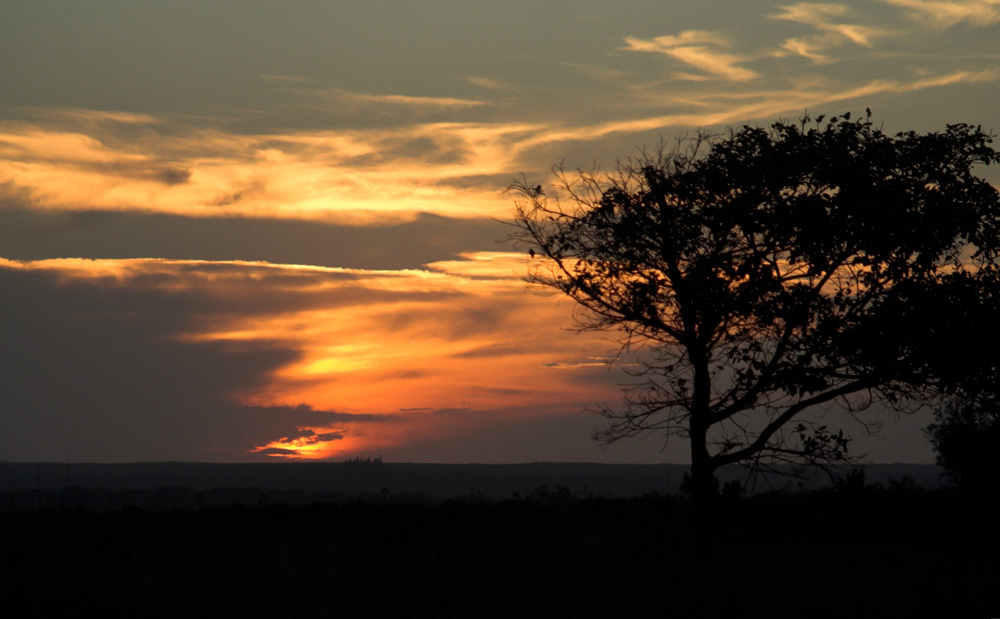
[(347, 176), (466, 336)]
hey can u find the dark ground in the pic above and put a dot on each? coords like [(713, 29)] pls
[(852, 552)]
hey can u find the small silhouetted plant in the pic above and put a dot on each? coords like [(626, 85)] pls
[(733, 489), (904, 485), (688, 490), (544, 494), (366, 462), (855, 482)]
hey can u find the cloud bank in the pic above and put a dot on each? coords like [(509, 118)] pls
[(157, 359)]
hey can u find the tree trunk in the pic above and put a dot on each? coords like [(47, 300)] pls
[(704, 489), (703, 483), (704, 486)]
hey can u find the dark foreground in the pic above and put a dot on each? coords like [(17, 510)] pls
[(868, 553)]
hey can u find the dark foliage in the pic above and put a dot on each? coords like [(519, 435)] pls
[(768, 272), (966, 437)]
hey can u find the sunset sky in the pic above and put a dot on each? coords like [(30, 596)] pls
[(251, 230)]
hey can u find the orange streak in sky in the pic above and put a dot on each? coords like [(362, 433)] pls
[(463, 336)]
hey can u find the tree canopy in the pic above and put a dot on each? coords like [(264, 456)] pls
[(766, 272), (965, 435)]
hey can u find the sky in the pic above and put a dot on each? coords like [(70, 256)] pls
[(237, 231)]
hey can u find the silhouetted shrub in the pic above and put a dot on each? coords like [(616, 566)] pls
[(544, 494), (966, 436), (367, 462), (855, 482), (904, 485)]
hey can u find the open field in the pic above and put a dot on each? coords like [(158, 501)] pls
[(854, 552), (187, 485)]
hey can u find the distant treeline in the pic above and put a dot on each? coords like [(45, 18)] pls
[(371, 476), (366, 461), (168, 498)]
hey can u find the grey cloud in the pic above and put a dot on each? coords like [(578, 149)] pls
[(310, 437), (27, 234), (452, 412), (455, 322), (493, 350), (233, 198), (499, 390), (488, 182), (189, 292), (277, 451), (163, 174), (421, 149), (171, 297), (95, 373), (405, 375), (91, 369), (306, 415), (326, 437), (149, 170)]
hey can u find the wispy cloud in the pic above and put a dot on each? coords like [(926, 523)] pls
[(719, 108), (283, 78), (821, 17), (825, 17), (90, 117), (491, 83), (699, 49), (484, 265), (979, 13), (408, 100), (812, 47)]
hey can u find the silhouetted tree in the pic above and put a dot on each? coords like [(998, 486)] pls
[(770, 271), (966, 437)]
